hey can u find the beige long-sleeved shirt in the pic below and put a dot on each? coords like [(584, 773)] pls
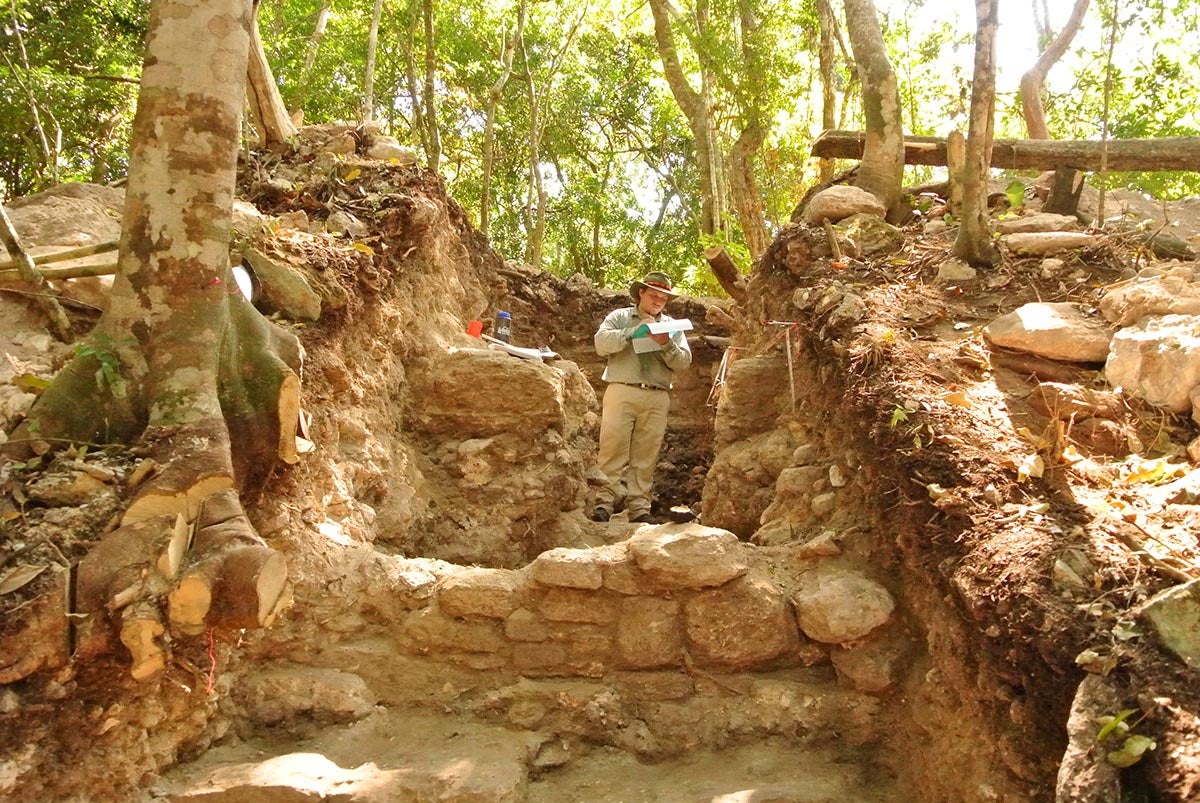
[(652, 368)]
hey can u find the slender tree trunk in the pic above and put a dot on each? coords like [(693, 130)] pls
[(882, 169), (828, 67), (47, 296), (509, 47), (49, 152), (310, 56), (699, 116), (180, 360), (367, 112), (271, 118), (974, 243), (411, 80), (1032, 81), (434, 153)]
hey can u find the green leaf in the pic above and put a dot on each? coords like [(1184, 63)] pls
[(1016, 193), (30, 383), (1112, 723), (899, 416), (1131, 751)]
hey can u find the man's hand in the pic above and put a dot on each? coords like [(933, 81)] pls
[(660, 339)]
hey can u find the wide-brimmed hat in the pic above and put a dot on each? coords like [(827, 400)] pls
[(656, 280)]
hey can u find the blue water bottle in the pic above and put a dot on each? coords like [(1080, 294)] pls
[(503, 328)]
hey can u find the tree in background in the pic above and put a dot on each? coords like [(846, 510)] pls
[(974, 242), (882, 170), (180, 362), (1032, 82), (68, 69)]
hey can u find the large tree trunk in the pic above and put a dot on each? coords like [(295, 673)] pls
[(882, 171), (1032, 81), (743, 188), (974, 243), (271, 117), (181, 362)]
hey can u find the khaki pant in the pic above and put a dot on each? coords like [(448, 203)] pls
[(632, 424)]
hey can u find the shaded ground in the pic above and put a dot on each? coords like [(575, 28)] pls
[(904, 406)]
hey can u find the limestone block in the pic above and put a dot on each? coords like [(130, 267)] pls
[(281, 695), (1057, 331), (617, 566), (1157, 359), (567, 568), (834, 606), (755, 390), (872, 666), (1176, 292), (649, 633), (1052, 242), (452, 397), (574, 605), (1174, 615), (386, 148), (870, 234), (494, 593), (541, 658), (525, 625), (839, 202), (431, 631), (1039, 222), (284, 287), (69, 215), (951, 271), (740, 625), (687, 555)]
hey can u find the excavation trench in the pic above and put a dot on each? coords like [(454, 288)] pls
[(462, 631)]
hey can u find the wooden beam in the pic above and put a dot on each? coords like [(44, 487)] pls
[(1159, 153)]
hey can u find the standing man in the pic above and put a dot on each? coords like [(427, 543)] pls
[(634, 414)]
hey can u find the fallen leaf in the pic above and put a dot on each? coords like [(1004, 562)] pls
[(1031, 466), (957, 397), (30, 383), (366, 249), (19, 576), (353, 174)]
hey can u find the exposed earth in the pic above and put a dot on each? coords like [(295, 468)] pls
[(929, 562)]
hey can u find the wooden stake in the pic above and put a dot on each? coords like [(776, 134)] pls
[(46, 295)]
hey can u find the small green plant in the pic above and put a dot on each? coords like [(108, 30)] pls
[(1132, 746), (108, 375)]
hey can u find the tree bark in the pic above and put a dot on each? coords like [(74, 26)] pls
[(271, 117), (828, 67), (489, 126), (180, 362), (726, 272), (367, 111), (743, 188), (974, 242), (698, 115), (434, 154), (1151, 153), (882, 170), (1031, 82)]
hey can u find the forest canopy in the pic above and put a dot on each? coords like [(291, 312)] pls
[(562, 127)]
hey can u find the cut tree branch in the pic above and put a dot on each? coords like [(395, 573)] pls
[(1159, 153)]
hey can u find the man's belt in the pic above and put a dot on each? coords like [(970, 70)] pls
[(641, 385)]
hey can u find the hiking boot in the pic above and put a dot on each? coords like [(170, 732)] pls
[(601, 514), (642, 518)]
